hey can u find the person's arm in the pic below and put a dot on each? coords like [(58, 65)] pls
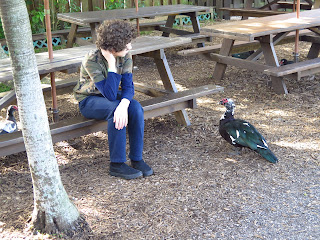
[(120, 116)]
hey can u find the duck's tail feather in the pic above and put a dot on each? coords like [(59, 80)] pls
[(268, 155)]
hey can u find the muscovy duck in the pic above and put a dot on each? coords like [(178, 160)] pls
[(240, 133), (9, 125), (285, 62)]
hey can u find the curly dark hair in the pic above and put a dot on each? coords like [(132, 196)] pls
[(114, 35)]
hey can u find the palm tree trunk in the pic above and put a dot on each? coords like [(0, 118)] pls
[(53, 211)]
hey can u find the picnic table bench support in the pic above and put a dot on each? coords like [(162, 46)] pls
[(196, 25), (225, 50), (314, 51), (315, 46), (271, 59), (71, 35), (169, 24), (168, 81)]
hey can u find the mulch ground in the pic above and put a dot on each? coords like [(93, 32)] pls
[(200, 189)]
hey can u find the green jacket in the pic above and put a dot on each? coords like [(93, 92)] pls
[(94, 68)]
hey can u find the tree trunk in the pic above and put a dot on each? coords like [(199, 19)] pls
[(53, 211)]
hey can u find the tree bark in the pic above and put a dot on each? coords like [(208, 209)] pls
[(53, 211)]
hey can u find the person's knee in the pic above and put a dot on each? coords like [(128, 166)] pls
[(135, 108)]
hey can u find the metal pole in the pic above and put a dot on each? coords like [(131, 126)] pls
[(296, 46), (55, 110), (137, 9)]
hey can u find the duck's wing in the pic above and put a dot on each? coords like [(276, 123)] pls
[(243, 133)]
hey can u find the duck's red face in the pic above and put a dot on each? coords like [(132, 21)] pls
[(15, 107), (224, 101)]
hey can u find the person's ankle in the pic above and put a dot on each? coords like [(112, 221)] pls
[(124, 171), (142, 166)]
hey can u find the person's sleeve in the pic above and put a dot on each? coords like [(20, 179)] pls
[(109, 86), (127, 86)]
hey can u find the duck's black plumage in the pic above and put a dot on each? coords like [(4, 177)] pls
[(242, 55), (241, 133), (9, 125), (285, 62)]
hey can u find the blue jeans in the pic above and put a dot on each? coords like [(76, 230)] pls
[(98, 107)]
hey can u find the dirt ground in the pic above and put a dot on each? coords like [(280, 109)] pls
[(200, 189)]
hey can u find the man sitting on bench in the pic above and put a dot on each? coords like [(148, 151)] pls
[(97, 92)]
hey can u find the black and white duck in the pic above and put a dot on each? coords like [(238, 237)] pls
[(9, 125), (241, 133)]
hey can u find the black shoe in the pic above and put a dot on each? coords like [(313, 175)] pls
[(124, 171), (143, 167)]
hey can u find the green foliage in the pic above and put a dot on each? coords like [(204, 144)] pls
[(37, 20), (4, 88), (1, 30), (114, 4), (45, 49)]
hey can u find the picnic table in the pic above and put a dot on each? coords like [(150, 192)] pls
[(94, 18), (163, 101), (269, 9), (268, 31)]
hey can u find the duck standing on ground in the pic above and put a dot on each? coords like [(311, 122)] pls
[(240, 133), (9, 125)]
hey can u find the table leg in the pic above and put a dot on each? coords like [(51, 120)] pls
[(196, 25), (72, 35), (247, 5), (225, 50), (169, 24), (93, 32), (168, 82), (271, 59), (314, 51)]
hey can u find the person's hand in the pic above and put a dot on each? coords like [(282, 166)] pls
[(120, 116), (110, 59)]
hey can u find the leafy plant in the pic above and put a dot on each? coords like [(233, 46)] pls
[(4, 87), (37, 20), (1, 30), (114, 4)]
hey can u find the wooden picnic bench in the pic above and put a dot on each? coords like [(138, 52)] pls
[(268, 31), (79, 126), (296, 70), (94, 18), (274, 7)]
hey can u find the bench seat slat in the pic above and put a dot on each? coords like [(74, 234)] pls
[(251, 12), (295, 68)]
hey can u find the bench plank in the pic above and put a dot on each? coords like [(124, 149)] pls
[(251, 12), (289, 5), (237, 62), (79, 126), (304, 66)]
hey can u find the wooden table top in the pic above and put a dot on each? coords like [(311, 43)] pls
[(248, 30), (72, 57), (84, 18)]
